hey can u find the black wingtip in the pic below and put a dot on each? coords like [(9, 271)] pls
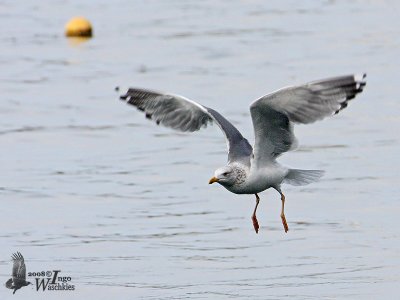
[(360, 82), (124, 97), (360, 78)]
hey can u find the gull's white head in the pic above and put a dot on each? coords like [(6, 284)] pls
[(225, 176)]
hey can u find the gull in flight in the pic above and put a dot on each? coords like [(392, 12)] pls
[(251, 170)]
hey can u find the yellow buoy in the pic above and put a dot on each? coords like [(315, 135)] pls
[(78, 27)]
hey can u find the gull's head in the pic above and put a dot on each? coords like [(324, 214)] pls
[(224, 176)]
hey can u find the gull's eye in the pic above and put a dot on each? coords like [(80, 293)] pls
[(225, 173)]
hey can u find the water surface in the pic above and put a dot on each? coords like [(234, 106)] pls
[(90, 187)]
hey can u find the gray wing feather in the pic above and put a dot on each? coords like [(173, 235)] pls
[(182, 114), (19, 269), (238, 147), (274, 113), (169, 110)]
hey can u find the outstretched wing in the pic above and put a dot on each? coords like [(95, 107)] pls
[(274, 114), (182, 114), (19, 269)]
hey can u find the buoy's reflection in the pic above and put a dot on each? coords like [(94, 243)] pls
[(77, 40)]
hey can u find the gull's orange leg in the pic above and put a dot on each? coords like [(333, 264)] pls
[(285, 225), (254, 217)]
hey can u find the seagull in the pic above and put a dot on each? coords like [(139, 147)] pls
[(18, 273), (251, 170)]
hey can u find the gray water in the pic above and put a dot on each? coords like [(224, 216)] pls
[(123, 207)]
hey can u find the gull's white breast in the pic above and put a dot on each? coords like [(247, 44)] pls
[(259, 179)]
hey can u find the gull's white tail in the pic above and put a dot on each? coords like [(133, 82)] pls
[(302, 177)]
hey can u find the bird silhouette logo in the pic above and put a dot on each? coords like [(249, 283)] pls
[(18, 276)]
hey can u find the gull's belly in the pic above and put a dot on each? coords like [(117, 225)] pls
[(248, 189)]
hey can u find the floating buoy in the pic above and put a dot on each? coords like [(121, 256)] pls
[(78, 27)]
